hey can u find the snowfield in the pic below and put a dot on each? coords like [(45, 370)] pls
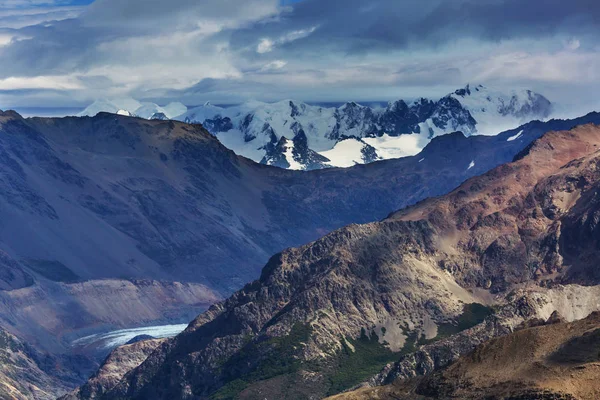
[(350, 134)]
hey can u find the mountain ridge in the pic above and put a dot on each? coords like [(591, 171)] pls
[(549, 361)]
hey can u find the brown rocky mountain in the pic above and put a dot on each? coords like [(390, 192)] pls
[(111, 210), (114, 222), (556, 361), (325, 316)]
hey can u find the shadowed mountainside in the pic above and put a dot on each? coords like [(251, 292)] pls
[(114, 196)]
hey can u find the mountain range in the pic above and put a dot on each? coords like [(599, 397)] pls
[(515, 244), (295, 135), (112, 222)]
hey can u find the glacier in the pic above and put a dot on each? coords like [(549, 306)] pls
[(296, 135)]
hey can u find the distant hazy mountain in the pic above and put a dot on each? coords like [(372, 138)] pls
[(132, 107)]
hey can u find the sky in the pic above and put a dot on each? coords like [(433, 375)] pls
[(68, 53)]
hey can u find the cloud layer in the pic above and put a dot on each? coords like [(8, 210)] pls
[(230, 50)]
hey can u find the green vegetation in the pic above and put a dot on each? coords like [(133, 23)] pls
[(53, 270), (473, 314), (359, 359), (367, 359), (230, 391), (258, 361)]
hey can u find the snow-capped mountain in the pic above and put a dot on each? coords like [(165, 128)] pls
[(296, 135), (134, 108)]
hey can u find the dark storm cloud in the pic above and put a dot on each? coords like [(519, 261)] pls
[(355, 26), (312, 49)]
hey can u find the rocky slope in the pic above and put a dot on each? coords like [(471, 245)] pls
[(120, 361), (296, 135), (524, 306), (52, 315), (324, 316), (555, 361)]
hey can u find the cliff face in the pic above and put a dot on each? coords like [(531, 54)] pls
[(365, 294)]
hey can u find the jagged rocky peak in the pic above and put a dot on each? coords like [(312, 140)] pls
[(9, 115), (472, 110), (159, 116), (293, 154)]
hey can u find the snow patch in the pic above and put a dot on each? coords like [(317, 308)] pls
[(494, 110), (515, 137), (397, 146), (289, 156), (345, 153)]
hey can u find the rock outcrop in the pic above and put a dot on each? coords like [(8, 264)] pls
[(27, 374)]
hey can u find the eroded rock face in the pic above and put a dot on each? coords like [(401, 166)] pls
[(52, 315), (515, 223), (315, 307), (120, 361), (524, 308)]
